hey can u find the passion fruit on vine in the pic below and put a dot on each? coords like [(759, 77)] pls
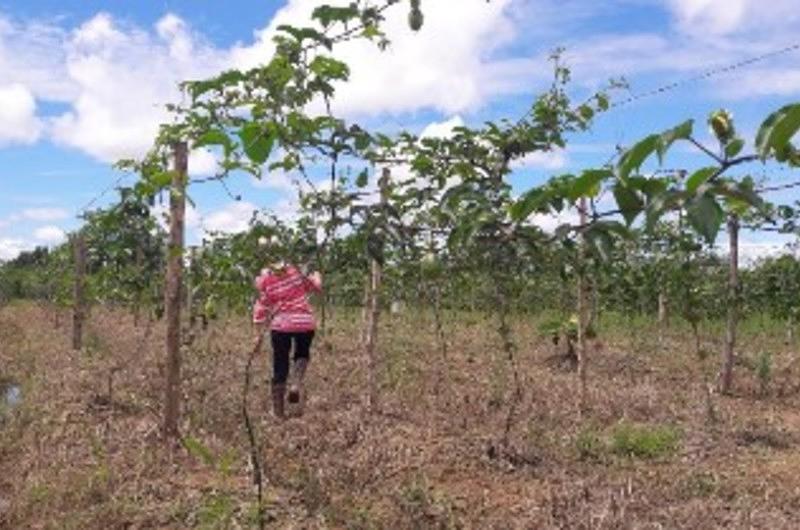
[(415, 19), (721, 122)]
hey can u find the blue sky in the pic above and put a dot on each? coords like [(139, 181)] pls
[(84, 82)]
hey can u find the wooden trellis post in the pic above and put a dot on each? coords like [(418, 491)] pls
[(172, 291), (374, 309), (79, 305)]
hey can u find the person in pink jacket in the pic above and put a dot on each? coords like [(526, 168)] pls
[(282, 308)]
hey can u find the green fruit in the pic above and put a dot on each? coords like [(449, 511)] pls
[(722, 124), (415, 19)]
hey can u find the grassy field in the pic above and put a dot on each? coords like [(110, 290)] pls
[(654, 450)]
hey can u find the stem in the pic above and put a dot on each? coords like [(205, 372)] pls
[(255, 461), (583, 307), (707, 151), (508, 347), (726, 373)]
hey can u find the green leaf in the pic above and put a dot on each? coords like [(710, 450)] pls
[(213, 137), (588, 184), (301, 34), (762, 147), (362, 141), (706, 216), (586, 112), (162, 179), (535, 200), (777, 130), (199, 450), (327, 14), (734, 147), (422, 164), (740, 195), (649, 187), (371, 31), (699, 178), (785, 129), (329, 68), (633, 158), (661, 203), (257, 141), (629, 202), (681, 132), (363, 179)]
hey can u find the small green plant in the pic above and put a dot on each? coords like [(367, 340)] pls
[(590, 445), (425, 507), (643, 441), (764, 371), (312, 490), (216, 512), (700, 484)]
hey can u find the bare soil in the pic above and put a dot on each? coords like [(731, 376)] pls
[(83, 449)]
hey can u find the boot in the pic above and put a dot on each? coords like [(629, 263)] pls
[(278, 393), (296, 386)]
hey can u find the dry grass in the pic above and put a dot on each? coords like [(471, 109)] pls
[(82, 451)]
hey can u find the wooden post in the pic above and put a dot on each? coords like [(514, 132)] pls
[(79, 304), (663, 315), (172, 291), (583, 305), (373, 311), (190, 309), (726, 373)]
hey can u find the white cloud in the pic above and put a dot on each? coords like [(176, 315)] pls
[(705, 35), (728, 16), (233, 218), (764, 82), (442, 129), (191, 217), (277, 180), (52, 235), (45, 214), (750, 252), (550, 221), (32, 54), (10, 248), (124, 77), (18, 120), (202, 163), (548, 160), (448, 66), (717, 16)]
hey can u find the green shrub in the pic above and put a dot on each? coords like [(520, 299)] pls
[(644, 441), (590, 445)]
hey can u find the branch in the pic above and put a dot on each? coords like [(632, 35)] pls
[(707, 151), (727, 164)]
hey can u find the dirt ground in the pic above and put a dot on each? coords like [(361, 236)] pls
[(654, 449)]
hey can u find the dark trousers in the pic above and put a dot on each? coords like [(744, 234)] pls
[(282, 346)]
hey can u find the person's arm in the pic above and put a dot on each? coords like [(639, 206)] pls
[(261, 313)]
